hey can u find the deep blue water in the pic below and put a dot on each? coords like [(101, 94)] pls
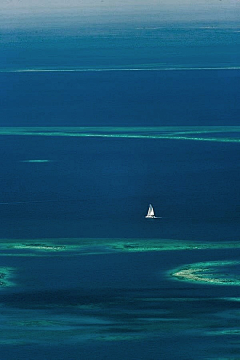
[(102, 187), (121, 98), (112, 305), (92, 180)]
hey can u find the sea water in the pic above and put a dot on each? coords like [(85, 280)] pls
[(84, 152)]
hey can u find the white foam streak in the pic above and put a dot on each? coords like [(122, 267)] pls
[(121, 69)]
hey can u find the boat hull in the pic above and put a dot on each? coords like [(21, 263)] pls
[(152, 217)]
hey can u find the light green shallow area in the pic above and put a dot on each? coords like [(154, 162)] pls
[(211, 272), (6, 275), (36, 161), (229, 134), (108, 321), (89, 246), (141, 67), (118, 315)]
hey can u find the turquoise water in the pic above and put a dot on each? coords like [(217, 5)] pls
[(82, 273)]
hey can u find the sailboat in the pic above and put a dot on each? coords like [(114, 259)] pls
[(150, 213)]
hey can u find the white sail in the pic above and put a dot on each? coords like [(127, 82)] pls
[(150, 213)]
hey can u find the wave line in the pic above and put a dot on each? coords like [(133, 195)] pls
[(121, 69)]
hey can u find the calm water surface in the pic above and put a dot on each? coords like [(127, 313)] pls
[(102, 303)]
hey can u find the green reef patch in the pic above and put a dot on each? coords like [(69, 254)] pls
[(36, 161), (212, 272), (32, 246), (89, 246), (195, 133), (6, 274)]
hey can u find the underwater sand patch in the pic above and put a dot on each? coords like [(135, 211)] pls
[(212, 272), (90, 246), (223, 134), (6, 274), (36, 161)]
